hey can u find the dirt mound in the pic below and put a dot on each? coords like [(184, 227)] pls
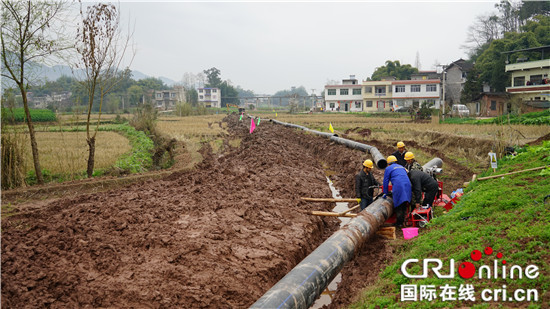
[(217, 237)]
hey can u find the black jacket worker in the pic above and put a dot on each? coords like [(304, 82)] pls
[(422, 182), (400, 154), (364, 182)]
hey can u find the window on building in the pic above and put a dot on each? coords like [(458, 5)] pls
[(357, 104), (201, 90), (357, 91), (173, 95), (369, 103), (493, 105), (431, 88), (201, 97), (535, 79), (415, 88), (331, 91), (214, 90), (368, 89), (519, 81), (344, 91), (332, 104), (380, 90), (400, 88)]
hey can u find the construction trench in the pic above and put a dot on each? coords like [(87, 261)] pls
[(219, 236)]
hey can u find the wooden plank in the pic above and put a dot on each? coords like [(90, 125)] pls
[(320, 199), (331, 214)]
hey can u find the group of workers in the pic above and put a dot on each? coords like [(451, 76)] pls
[(408, 182)]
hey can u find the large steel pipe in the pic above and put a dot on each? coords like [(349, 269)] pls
[(434, 163), (377, 157), (305, 282)]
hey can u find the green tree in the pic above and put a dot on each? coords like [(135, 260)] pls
[(213, 78), (152, 83), (135, 93), (395, 69), (472, 88), (530, 9), (26, 36), (229, 94), (491, 63), (191, 96)]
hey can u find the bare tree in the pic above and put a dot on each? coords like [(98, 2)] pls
[(486, 28), (102, 47), (28, 36)]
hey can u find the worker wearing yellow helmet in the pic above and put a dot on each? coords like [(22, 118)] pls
[(365, 184), (400, 154), (412, 165), (401, 188)]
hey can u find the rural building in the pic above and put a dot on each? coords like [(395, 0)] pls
[(493, 104), (529, 77), (56, 99), (413, 93), (454, 78), (210, 97), (423, 75), (377, 95), (167, 99), (345, 97)]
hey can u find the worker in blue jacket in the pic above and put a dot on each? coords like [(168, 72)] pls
[(401, 188)]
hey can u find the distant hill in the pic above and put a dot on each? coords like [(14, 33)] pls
[(43, 73)]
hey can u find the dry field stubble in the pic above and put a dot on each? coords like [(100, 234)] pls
[(194, 131), (67, 152)]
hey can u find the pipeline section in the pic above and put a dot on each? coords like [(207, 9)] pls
[(377, 157), (305, 282)]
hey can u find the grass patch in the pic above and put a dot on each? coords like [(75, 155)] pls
[(507, 214)]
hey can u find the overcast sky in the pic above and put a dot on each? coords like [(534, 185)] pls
[(267, 47)]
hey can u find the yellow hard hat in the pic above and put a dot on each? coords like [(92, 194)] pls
[(368, 163), (400, 145), (409, 155), (391, 159)]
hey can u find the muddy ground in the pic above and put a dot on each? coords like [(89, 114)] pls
[(216, 237)]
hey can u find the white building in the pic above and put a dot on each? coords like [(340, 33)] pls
[(346, 97), (409, 93), (210, 97)]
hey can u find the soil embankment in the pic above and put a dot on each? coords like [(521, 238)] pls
[(218, 236)]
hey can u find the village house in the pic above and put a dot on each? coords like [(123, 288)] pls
[(377, 95), (210, 97), (530, 82), (345, 97)]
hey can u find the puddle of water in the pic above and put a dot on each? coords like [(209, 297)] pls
[(326, 296)]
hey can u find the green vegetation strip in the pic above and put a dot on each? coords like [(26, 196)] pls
[(18, 115), (507, 214), (534, 118)]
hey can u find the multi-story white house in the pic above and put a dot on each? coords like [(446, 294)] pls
[(530, 81), (210, 97), (412, 93), (346, 97)]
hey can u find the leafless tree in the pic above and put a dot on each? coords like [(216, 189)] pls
[(29, 36), (486, 28), (102, 47)]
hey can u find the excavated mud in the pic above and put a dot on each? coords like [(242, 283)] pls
[(219, 236)]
